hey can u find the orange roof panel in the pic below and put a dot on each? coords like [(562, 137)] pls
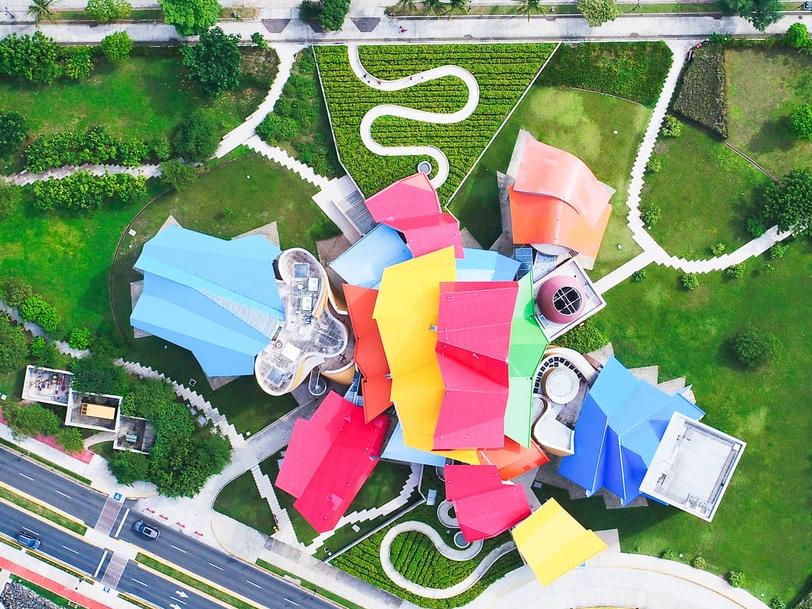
[(514, 459)]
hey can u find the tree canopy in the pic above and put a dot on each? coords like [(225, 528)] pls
[(761, 13), (214, 62), (191, 17), (788, 202), (598, 12), (333, 13), (13, 347)]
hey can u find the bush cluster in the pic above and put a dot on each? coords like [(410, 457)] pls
[(333, 13), (699, 562), (654, 164), (44, 352), (93, 145), (13, 347), (31, 419), (717, 249), (37, 58), (701, 96), (117, 47), (14, 291), (97, 374), (671, 127), (735, 272), (13, 130), (754, 348), (80, 338), (788, 202), (178, 174), (650, 214), (689, 281), (36, 310), (797, 37), (10, 198), (214, 62), (635, 71), (598, 12), (801, 121), (587, 337), (736, 579), (196, 138), (105, 11), (83, 191)]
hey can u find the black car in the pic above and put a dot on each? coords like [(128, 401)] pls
[(142, 528)]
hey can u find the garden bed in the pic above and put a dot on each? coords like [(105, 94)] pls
[(705, 191), (502, 71)]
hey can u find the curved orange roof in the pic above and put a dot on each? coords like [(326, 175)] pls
[(555, 198)]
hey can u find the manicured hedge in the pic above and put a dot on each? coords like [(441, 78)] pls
[(83, 191), (701, 94), (503, 72), (94, 145), (634, 70)]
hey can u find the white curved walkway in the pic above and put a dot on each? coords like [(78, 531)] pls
[(440, 159), (444, 549), (619, 580)]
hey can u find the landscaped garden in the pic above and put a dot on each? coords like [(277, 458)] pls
[(241, 501), (503, 73)]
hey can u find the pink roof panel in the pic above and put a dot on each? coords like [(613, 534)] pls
[(329, 458)]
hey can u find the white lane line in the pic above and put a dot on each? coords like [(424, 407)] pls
[(118, 530), (179, 549), (64, 494), (180, 600), (30, 531), (248, 581), (290, 601), (216, 566), (70, 550), (138, 581), (96, 574), (24, 476)]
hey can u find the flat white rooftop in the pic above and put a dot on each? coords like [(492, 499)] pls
[(692, 466)]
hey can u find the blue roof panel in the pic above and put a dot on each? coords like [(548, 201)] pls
[(364, 262), (485, 265), (396, 450)]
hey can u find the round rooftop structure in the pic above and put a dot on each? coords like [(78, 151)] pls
[(560, 384), (560, 299), (424, 167)]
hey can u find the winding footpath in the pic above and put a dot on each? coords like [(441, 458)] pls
[(450, 553), (440, 160)]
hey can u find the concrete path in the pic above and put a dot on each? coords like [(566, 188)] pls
[(25, 178), (451, 553), (619, 580), (441, 164)]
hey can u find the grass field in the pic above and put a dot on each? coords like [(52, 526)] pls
[(602, 130), (718, 190), (144, 97), (246, 183), (764, 526), (241, 501), (764, 85)]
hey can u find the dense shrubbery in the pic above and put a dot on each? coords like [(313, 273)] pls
[(788, 202), (701, 96), (584, 338), (650, 214), (178, 174), (129, 467), (736, 271), (333, 13), (13, 348), (37, 58), (801, 121), (97, 374), (105, 11), (671, 127), (70, 439), (717, 249), (35, 309), (296, 119), (214, 62), (736, 578), (77, 62), (689, 281), (598, 12), (31, 419), (196, 137), (654, 164), (80, 338), (797, 37), (10, 198), (503, 72), (83, 191), (117, 47), (754, 348), (179, 463), (44, 352), (191, 17), (94, 145), (14, 291), (635, 71), (13, 129)]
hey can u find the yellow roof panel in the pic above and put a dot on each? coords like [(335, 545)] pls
[(552, 542)]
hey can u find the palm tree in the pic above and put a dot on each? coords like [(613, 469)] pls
[(457, 5), (407, 6), (528, 7), (434, 7), (41, 9)]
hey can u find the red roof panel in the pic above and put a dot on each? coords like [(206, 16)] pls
[(329, 458)]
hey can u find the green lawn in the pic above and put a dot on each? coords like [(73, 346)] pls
[(241, 501), (764, 526), (764, 85), (383, 485), (503, 72), (718, 190), (602, 130), (144, 97), (258, 191)]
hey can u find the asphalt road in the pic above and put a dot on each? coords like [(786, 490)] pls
[(55, 489), (172, 546)]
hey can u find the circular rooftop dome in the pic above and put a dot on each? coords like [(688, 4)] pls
[(424, 167), (560, 384), (560, 299)]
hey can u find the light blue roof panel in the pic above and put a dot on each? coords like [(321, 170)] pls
[(364, 262), (486, 265), (396, 450)]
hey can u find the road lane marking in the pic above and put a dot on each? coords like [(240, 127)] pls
[(290, 601), (64, 494), (118, 530), (179, 600), (138, 581), (24, 476), (179, 549), (70, 550), (30, 531), (96, 574), (248, 581), (216, 566)]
